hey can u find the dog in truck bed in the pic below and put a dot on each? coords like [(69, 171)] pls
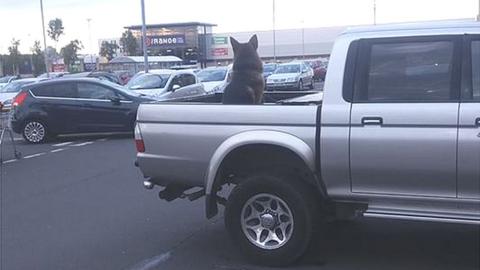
[(247, 84)]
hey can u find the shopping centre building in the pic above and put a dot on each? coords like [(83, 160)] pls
[(196, 42)]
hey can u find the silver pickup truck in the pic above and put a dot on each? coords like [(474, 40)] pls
[(395, 135)]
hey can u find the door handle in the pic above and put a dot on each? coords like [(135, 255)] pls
[(372, 120), (477, 121)]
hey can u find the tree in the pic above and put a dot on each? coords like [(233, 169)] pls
[(70, 51), (55, 29), (38, 58), (108, 50), (128, 43), (14, 55)]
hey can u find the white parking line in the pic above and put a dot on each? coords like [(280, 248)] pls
[(34, 155), (61, 144), (102, 140), (57, 150), (9, 161), (152, 263), (82, 144)]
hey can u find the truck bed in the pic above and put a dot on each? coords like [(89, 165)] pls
[(180, 139)]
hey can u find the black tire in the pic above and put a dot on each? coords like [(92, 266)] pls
[(300, 85), (298, 197), (311, 86), (41, 131)]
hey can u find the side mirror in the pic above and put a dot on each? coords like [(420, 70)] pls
[(175, 87)]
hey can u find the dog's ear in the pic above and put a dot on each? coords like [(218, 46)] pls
[(235, 44), (254, 41)]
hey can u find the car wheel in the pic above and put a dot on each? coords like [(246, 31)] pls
[(34, 131), (272, 219), (300, 85)]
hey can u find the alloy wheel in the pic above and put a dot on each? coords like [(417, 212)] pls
[(267, 221), (34, 132)]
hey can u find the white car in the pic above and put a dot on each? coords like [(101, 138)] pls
[(6, 80), (293, 75), (10, 90), (213, 78), (159, 83)]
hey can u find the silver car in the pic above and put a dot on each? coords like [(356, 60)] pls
[(293, 75)]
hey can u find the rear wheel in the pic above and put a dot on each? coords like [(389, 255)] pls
[(271, 218), (34, 131)]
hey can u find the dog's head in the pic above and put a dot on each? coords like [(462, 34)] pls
[(245, 55)]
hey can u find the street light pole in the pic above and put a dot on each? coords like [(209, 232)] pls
[(274, 38), (90, 36), (374, 12), (44, 40), (144, 37), (303, 40)]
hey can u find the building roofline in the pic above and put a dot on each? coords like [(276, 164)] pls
[(138, 27)]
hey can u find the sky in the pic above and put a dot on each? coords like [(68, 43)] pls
[(20, 19)]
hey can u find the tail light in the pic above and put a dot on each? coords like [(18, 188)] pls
[(19, 99), (139, 140)]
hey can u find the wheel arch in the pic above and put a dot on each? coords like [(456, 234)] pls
[(252, 147)]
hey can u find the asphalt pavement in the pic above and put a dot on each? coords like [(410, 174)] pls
[(78, 203)]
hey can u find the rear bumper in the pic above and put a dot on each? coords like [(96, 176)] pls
[(281, 86)]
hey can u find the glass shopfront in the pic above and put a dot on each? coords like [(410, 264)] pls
[(185, 40)]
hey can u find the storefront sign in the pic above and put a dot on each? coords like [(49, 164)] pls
[(220, 52), (219, 40), (158, 41)]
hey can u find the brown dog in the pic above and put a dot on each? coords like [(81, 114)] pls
[(247, 82)]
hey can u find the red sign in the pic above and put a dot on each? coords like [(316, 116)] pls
[(58, 67), (220, 52)]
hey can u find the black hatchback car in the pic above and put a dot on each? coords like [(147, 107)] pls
[(82, 105)]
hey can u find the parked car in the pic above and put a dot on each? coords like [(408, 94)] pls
[(73, 105), (162, 83), (7, 79), (214, 77), (319, 69), (394, 135), (102, 75), (293, 75), (8, 92), (269, 69)]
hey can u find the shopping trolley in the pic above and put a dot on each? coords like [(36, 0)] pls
[(6, 130)]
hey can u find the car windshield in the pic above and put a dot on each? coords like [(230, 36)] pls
[(148, 81), (121, 88), (14, 86), (269, 68), (288, 69), (212, 75)]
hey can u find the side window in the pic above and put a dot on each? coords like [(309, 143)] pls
[(188, 79), (94, 91), (56, 90), (475, 50), (406, 71), (177, 80)]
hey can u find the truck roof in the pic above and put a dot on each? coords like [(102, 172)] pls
[(445, 24)]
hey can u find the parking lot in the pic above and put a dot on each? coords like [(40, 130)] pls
[(78, 203)]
